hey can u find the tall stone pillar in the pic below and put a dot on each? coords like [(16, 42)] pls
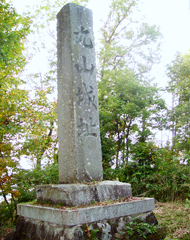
[(80, 158)]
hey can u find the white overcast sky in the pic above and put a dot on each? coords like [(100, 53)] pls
[(172, 16)]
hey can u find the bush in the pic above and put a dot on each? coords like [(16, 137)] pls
[(156, 173), (22, 189)]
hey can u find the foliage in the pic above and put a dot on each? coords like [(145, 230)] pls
[(6, 224), (13, 100), (22, 186), (129, 104), (91, 233), (137, 228), (27, 180), (154, 172), (41, 132), (161, 176), (131, 108), (125, 41), (179, 73), (24, 122), (13, 31)]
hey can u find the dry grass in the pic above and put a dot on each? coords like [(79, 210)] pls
[(175, 216)]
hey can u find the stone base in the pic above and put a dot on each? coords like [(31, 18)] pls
[(31, 229), (100, 222), (82, 194), (83, 215), (105, 220)]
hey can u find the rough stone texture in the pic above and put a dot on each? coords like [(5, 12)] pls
[(82, 194), (76, 216), (104, 230), (80, 157)]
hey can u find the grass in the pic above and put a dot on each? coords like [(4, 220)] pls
[(175, 216)]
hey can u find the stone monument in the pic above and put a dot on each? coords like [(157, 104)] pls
[(80, 158), (80, 161)]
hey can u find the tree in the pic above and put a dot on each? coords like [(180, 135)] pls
[(40, 138), (13, 100), (179, 73), (129, 104)]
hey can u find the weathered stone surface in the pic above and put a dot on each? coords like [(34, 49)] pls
[(103, 230), (82, 194), (80, 156), (76, 216)]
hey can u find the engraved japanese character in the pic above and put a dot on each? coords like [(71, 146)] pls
[(86, 128), (90, 97), (82, 36), (79, 70), (87, 96)]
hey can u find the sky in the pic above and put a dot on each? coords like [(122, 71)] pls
[(173, 18)]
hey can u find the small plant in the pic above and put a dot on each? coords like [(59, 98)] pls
[(91, 233), (138, 228)]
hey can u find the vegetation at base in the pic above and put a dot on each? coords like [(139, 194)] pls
[(138, 229)]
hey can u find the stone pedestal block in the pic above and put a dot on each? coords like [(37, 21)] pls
[(82, 215), (82, 194)]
